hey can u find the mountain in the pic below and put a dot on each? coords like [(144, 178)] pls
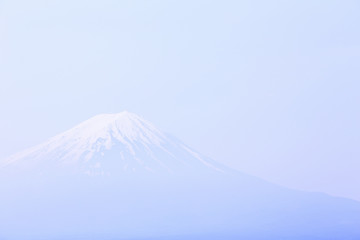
[(108, 144), (116, 176)]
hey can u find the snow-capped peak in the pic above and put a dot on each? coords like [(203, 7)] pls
[(124, 127), (105, 142)]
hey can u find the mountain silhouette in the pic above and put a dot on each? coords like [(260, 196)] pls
[(116, 176)]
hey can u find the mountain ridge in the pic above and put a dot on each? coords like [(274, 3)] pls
[(118, 175), (125, 136)]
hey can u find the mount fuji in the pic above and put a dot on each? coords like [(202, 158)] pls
[(112, 144), (116, 176)]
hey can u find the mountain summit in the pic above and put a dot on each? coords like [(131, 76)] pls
[(108, 144), (116, 176)]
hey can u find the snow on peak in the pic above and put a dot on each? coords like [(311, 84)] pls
[(125, 137), (122, 126)]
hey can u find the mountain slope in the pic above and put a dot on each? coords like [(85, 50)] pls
[(116, 176), (110, 144)]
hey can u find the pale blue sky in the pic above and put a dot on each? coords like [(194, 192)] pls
[(267, 87)]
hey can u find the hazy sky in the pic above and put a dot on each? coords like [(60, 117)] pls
[(271, 88)]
